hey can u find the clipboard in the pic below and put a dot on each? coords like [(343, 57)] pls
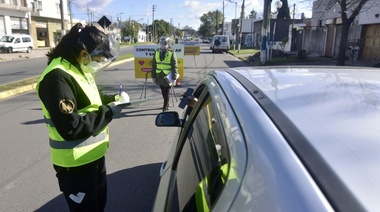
[(169, 78)]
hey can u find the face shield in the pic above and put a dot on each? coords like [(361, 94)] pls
[(164, 43), (104, 54)]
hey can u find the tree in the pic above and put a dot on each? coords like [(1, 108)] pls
[(253, 14), (131, 28), (210, 23), (348, 10), (162, 28), (178, 33)]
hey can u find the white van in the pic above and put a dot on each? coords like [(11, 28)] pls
[(16, 42), (220, 43)]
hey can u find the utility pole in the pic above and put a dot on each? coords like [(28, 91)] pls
[(71, 13), (154, 29), (223, 20), (63, 32), (216, 22), (234, 30), (241, 25), (265, 31)]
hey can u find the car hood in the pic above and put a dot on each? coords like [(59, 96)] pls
[(338, 112)]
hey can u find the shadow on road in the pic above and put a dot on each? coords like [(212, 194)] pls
[(131, 189)]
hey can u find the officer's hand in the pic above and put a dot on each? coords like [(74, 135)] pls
[(192, 100), (114, 106)]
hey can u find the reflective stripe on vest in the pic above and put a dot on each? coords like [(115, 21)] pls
[(77, 143), (72, 153), (165, 64)]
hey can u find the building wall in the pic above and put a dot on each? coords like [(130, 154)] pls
[(371, 43), (370, 14), (14, 18)]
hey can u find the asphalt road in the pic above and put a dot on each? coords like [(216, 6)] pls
[(137, 149), (21, 65)]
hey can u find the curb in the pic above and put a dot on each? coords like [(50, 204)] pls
[(27, 88), (22, 89)]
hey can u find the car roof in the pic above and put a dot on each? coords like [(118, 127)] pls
[(330, 117)]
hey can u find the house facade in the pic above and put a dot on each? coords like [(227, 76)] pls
[(39, 18), (15, 17), (322, 35), (46, 22)]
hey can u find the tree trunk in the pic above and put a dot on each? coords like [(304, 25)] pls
[(343, 44)]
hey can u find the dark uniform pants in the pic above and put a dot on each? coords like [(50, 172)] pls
[(165, 91), (84, 187)]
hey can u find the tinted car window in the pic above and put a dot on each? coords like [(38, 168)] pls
[(26, 39), (201, 160)]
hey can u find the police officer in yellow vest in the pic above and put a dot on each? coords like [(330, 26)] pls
[(164, 61), (77, 115)]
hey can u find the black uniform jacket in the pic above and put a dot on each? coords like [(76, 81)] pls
[(58, 86)]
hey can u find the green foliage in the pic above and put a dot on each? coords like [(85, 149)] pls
[(131, 28), (178, 33), (211, 23), (162, 28)]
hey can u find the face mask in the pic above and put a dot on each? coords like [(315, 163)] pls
[(91, 68), (94, 66)]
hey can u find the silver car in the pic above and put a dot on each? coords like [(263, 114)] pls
[(276, 139)]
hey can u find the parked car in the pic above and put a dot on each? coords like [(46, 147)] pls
[(276, 139), (220, 43), (16, 42)]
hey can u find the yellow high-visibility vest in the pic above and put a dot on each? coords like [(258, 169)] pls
[(165, 64), (202, 196), (82, 151)]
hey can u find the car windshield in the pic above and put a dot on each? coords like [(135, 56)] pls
[(7, 39)]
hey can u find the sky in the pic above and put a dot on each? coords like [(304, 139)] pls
[(177, 12)]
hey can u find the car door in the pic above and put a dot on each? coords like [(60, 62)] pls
[(201, 159), (17, 44)]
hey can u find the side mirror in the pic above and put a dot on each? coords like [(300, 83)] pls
[(168, 119)]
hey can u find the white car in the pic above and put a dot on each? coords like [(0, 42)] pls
[(16, 42), (276, 139), (220, 43)]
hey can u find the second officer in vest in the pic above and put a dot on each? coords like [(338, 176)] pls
[(164, 61)]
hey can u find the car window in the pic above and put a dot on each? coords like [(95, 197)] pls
[(8, 39), (17, 40), (202, 166), (26, 39)]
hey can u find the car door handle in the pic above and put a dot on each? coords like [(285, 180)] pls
[(162, 169)]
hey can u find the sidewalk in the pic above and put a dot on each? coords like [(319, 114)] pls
[(37, 52), (316, 60)]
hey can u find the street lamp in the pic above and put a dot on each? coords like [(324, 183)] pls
[(265, 29), (118, 18), (235, 21), (278, 5)]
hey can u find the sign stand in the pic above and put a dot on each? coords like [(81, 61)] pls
[(145, 85), (172, 92)]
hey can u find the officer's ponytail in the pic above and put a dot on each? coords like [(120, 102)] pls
[(77, 39), (69, 47)]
